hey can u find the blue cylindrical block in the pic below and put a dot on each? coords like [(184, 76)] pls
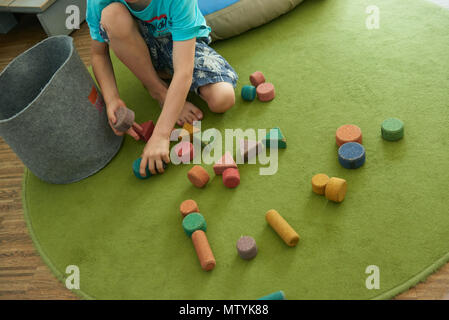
[(351, 155)]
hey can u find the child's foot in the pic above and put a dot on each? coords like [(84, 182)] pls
[(189, 114)]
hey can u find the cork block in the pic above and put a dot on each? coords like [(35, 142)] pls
[(319, 182), (246, 247), (188, 207), (275, 139), (336, 189), (136, 170), (225, 162), (278, 295), (257, 78), (193, 222), (348, 133), (203, 250), (248, 93), (147, 130), (125, 119), (231, 177), (392, 129), (190, 130), (185, 151), (351, 155), (198, 176), (282, 228), (265, 92)]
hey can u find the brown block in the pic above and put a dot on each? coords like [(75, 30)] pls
[(188, 206), (198, 176), (203, 250)]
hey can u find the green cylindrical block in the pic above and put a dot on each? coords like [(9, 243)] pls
[(392, 129), (193, 222)]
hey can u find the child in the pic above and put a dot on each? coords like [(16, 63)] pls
[(159, 39)]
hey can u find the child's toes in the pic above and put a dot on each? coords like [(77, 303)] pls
[(198, 114), (190, 118)]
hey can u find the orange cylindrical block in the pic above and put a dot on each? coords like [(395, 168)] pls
[(198, 176), (203, 250), (348, 133)]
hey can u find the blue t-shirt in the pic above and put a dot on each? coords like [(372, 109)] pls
[(182, 18)]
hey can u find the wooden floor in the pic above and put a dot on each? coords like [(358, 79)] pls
[(23, 274)]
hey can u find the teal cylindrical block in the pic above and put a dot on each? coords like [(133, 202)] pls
[(193, 222), (249, 93), (278, 295), (136, 169)]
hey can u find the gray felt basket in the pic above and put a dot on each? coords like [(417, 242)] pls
[(52, 114)]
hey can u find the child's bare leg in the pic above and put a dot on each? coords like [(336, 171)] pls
[(130, 48), (219, 96)]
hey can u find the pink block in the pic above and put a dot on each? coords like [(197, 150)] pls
[(257, 78), (265, 92), (185, 151), (231, 178), (227, 161)]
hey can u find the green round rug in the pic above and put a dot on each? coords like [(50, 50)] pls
[(125, 234)]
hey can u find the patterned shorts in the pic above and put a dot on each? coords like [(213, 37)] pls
[(209, 66)]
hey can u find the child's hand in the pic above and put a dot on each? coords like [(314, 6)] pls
[(154, 154), (111, 108)]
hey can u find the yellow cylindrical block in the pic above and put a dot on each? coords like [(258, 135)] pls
[(319, 182), (282, 228), (336, 189)]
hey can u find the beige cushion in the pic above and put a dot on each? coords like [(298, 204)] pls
[(245, 15)]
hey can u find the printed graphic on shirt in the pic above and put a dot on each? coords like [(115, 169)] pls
[(158, 25)]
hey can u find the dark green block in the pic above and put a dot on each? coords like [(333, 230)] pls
[(273, 137), (192, 222), (136, 169)]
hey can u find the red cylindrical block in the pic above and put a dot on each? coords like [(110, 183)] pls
[(231, 178)]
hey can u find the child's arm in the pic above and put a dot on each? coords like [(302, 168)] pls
[(104, 73), (157, 149)]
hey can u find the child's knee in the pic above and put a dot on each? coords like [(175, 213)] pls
[(222, 100), (116, 20)]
